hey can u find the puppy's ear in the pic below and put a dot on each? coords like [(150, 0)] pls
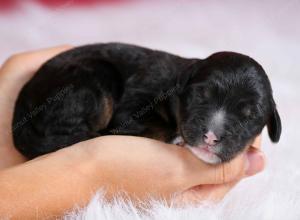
[(274, 125), (187, 74)]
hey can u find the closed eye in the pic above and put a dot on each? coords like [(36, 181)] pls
[(252, 112), (246, 111)]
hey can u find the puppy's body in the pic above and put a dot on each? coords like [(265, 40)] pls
[(123, 89)]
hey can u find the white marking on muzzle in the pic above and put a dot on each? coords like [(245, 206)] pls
[(217, 120)]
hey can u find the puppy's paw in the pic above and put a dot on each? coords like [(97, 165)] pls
[(178, 141)]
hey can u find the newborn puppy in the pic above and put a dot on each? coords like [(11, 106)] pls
[(214, 107), (225, 104)]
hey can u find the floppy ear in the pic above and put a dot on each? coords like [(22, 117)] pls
[(187, 74), (274, 126)]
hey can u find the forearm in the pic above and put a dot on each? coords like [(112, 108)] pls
[(46, 186), (53, 184)]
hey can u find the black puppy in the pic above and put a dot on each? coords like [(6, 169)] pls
[(215, 106)]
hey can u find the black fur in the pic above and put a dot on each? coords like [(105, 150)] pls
[(124, 89)]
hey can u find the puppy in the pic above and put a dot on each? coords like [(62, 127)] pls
[(214, 107)]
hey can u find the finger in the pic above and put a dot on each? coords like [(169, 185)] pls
[(245, 164), (35, 59), (256, 160), (19, 68), (257, 142), (26, 63), (216, 192), (199, 172), (201, 193)]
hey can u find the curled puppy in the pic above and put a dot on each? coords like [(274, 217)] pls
[(214, 107)]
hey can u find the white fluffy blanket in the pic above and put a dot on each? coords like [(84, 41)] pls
[(266, 30)]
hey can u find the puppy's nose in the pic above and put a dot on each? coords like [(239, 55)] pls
[(210, 138)]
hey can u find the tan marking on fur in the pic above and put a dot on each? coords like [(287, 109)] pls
[(156, 130), (157, 133), (106, 113)]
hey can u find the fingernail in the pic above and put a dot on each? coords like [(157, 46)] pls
[(255, 162)]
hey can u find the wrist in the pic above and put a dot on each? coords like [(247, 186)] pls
[(84, 165), (9, 156)]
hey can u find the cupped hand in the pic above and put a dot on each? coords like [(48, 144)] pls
[(144, 167), (227, 175)]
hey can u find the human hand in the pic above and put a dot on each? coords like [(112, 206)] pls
[(143, 167), (255, 162), (138, 166), (14, 73)]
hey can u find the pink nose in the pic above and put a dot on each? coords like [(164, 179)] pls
[(210, 138)]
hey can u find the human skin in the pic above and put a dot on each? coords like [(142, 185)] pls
[(50, 185)]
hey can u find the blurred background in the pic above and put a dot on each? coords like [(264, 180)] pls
[(266, 30)]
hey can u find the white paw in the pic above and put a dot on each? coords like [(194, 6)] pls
[(178, 141)]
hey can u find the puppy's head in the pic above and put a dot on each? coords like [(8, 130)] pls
[(226, 101)]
